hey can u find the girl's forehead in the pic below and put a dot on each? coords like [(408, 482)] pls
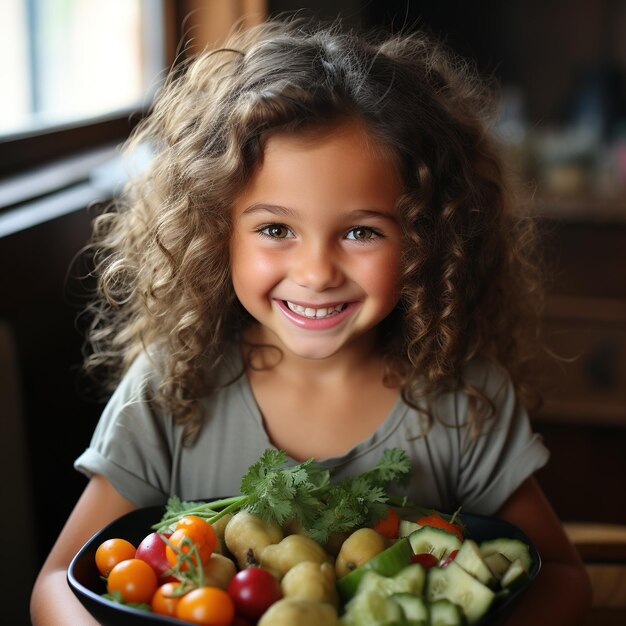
[(349, 137), (311, 137), (341, 166)]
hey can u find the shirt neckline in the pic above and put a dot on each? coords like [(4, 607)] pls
[(375, 440)]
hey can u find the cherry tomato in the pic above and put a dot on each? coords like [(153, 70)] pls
[(425, 559), (134, 579), (163, 602), (208, 606), (253, 590), (197, 531), (388, 525), (111, 552), (152, 551), (438, 522)]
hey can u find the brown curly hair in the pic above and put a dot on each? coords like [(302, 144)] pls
[(470, 281)]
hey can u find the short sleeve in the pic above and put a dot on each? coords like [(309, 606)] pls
[(494, 463), (131, 445)]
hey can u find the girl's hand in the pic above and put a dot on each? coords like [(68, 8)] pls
[(52, 601)]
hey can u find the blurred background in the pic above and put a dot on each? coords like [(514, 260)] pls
[(77, 75)]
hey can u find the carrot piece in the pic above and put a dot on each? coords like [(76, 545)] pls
[(439, 522), (388, 525)]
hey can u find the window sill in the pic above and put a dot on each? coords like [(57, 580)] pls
[(66, 186)]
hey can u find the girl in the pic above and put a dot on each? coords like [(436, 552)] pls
[(321, 257)]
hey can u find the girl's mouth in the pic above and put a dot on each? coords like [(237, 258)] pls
[(317, 318), (315, 313)]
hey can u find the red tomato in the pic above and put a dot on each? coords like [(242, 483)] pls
[(208, 606), (253, 590), (449, 559), (134, 579), (388, 525), (111, 552), (438, 522), (163, 602), (152, 551), (425, 559)]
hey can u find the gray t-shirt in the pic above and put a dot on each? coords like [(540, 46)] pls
[(140, 450)]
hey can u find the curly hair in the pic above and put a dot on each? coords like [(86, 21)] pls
[(470, 283)]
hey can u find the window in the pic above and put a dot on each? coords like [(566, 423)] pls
[(73, 60), (76, 74)]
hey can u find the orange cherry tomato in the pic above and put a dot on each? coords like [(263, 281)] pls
[(111, 552), (134, 579), (388, 525), (438, 522), (202, 527), (191, 530), (208, 606), (163, 601)]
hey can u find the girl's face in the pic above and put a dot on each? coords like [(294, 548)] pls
[(315, 252)]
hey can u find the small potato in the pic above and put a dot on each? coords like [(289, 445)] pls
[(360, 546), (247, 535), (219, 527), (219, 571), (299, 612), (279, 558), (311, 581)]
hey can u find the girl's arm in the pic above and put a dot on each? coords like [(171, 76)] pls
[(52, 600), (561, 593)]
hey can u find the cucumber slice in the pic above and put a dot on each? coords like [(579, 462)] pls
[(515, 576), (411, 580), (406, 527), (470, 559), (455, 584), (435, 541), (445, 613), (413, 607), (512, 549), (387, 563), (371, 609), (497, 563)]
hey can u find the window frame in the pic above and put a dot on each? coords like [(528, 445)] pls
[(21, 151)]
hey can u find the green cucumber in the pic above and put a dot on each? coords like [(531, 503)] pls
[(497, 563), (414, 608), (455, 584), (470, 559), (387, 563), (515, 576), (431, 540), (411, 579), (371, 609), (512, 549), (445, 613), (406, 527)]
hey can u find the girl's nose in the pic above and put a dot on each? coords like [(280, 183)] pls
[(316, 267)]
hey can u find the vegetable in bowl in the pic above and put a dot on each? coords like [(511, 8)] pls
[(301, 557)]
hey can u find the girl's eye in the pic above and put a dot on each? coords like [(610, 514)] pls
[(275, 231), (363, 233)]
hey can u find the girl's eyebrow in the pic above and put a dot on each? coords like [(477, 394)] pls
[(277, 209)]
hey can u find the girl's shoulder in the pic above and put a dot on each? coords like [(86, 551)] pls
[(485, 373)]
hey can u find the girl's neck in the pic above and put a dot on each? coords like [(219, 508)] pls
[(356, 361)]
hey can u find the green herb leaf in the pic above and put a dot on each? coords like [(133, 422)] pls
[(279, 492)]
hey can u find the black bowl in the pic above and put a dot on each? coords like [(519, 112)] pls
[(86, 583)]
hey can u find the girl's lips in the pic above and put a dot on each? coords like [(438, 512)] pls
[(309, 322)]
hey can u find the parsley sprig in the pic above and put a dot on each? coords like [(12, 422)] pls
[(279, 492)]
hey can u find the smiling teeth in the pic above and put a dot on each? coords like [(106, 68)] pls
[(315, 313)]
